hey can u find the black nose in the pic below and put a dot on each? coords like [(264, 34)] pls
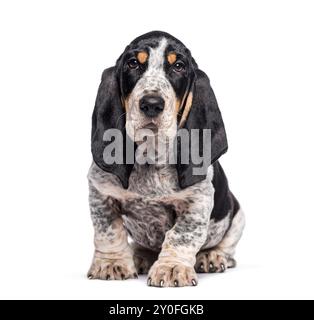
[(152, 105)]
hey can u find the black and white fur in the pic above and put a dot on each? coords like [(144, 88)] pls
[(180, 224)]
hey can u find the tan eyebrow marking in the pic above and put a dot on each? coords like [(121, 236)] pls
[(142, 57), (172, 57)]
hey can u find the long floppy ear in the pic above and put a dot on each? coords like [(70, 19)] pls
[(201, 112), (109, 114)]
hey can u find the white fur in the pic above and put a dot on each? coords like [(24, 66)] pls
[(216, 232), (232, 237)]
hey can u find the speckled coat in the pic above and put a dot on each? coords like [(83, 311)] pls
[(180, 223)]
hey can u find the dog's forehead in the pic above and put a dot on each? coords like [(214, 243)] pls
[(152, 41), (154, 37)]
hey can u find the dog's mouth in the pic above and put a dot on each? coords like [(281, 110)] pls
[(151, 126), (149, 130)]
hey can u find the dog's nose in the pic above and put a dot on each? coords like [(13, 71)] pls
[(152, 105)]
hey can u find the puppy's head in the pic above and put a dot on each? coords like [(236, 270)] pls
[(155, 73), (155, 85)]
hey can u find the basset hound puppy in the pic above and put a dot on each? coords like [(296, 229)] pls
[(181, 223)]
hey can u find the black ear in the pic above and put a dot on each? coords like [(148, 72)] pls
[(201, 112), (109, 114)]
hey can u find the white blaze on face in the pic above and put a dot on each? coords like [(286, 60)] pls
[(153, 81)]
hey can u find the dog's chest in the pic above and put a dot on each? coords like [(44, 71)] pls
[(153, 181), (147, 218)]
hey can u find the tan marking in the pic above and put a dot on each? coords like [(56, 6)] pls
[(125, 103), (142, 57), (178, 106), (183, 99), (187, 109), (172, 58)]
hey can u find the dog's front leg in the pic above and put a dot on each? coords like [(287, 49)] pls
[(175, 264), (113, 257)]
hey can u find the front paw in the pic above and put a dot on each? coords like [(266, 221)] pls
[(112, 269), (171, 273)]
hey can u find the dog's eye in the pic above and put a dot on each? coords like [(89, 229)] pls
[(179, 66), (133, 63)]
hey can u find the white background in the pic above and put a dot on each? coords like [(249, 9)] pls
[(259, 56)]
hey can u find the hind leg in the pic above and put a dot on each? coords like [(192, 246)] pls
[(221, 257), (143, 258)]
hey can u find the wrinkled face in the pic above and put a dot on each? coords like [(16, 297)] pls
[(154, 82)]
